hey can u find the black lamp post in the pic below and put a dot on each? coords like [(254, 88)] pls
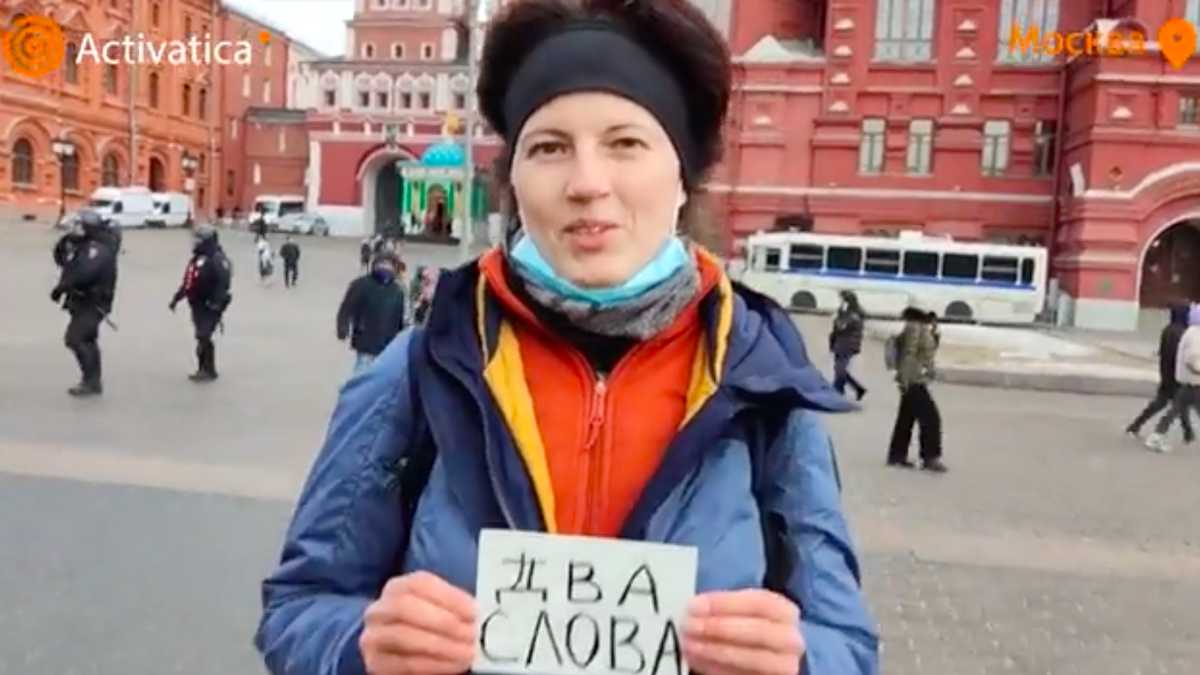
[(62, 149)]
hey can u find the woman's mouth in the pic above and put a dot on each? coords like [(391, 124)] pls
[(589, 235)]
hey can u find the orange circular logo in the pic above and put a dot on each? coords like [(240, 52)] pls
[(34, 45)]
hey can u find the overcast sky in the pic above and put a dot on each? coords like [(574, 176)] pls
[(319, 23)]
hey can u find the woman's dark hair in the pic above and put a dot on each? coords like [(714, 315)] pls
[(674, 31)]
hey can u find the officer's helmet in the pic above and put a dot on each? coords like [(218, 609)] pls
[(92, 222), (204, 233)]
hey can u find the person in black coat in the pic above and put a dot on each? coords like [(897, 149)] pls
[(372, 311), (86, 288), (206, 282), (1168, 385), (290, 252), (845, 341)]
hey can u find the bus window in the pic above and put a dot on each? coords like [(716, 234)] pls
[(1027, 269), (918, 264), (883, 261), (960, 266), (772, 260), (999, 270), (845, 259), (806, 257)]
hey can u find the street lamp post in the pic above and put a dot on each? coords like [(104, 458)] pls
[(62, 149), (475, 9), (189, 164)]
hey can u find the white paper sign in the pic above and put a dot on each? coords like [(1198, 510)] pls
[(567, 605)]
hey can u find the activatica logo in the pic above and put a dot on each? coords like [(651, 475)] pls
[(175, 52), (35, 46)]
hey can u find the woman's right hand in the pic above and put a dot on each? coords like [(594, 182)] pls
[(420, 625)]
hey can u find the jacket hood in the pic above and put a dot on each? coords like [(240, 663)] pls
[(768, 361)]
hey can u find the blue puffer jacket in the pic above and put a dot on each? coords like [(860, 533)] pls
[(752, 472)]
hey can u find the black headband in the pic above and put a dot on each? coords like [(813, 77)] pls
[(595, 55)]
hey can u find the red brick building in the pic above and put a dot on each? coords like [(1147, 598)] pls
[(386, 101), (874, 116)]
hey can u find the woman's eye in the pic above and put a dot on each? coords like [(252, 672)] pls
[(628, 143), (544, 148)]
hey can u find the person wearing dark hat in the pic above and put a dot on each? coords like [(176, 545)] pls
[(596, 376), (372, 310), (915, 370), (87, 289), (206, 283), (845, 341)]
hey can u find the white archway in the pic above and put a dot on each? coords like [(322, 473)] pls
[(368, 177)]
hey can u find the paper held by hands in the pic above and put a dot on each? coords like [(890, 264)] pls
[(570, 605)]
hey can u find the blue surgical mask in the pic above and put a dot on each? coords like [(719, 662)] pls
[(670, 259), (384, 276)]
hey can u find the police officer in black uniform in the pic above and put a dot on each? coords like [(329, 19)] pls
[(87, 288), (206, 287)]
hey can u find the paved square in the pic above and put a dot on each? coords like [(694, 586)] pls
[(134, 529)]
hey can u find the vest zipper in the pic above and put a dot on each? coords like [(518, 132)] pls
[(595, 450)]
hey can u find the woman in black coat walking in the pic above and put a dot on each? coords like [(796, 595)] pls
[(845, 341)]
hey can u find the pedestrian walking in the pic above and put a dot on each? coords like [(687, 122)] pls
[(372, 310), (1187, 398), (916, 368), (87, 289), (1168, 384), (206, 283), (845, 341), (290, 253), (600, 378), (266, 261)]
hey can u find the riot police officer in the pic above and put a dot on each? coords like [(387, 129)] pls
[(87, 288), (206, 286)]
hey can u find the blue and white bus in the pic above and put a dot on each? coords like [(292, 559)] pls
[(987, 283)]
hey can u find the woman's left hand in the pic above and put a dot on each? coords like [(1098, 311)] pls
[(747, 632)]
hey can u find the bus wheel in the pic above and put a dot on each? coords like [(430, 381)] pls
[(804, 300), (960, 311)]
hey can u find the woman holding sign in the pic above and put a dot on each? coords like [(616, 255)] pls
[(594, 376)]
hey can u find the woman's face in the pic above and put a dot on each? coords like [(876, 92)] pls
[(598, 187)]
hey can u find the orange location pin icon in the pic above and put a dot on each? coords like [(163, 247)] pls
[(1177, 39)]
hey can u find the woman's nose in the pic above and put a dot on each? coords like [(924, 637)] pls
[(590, 178)]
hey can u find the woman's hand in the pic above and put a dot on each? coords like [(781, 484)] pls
[(420, 625), (748, 632)]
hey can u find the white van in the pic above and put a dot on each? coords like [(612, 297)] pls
[(274, 207), (171, 209), (126, 207)]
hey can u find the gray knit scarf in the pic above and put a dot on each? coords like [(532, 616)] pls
[(640, 318)]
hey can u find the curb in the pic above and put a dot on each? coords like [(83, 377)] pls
[(1066, 383)]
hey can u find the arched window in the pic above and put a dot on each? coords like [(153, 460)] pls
[(22, 162), (202, 104), (110, 171), (152, 90), (70, 67), (70, 170), (186, 100), (110, 79), (158, 175)]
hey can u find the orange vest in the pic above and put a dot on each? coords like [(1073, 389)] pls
[(603, 438)]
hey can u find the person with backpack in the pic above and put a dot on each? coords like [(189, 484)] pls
[(845, 341), (914, 352), (206, 283), (1168, 383), (599, 377)]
